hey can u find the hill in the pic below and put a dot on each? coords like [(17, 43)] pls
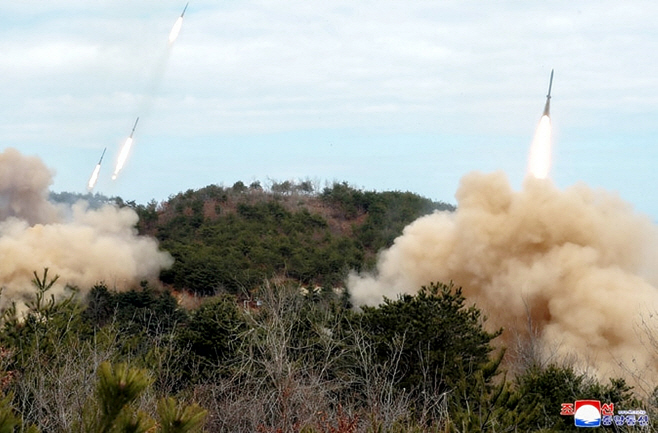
[(297, 361), (233, 238)]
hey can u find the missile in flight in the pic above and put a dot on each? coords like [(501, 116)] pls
[(175, 30), (547, 107), (94, 175), (125, 150), (135, 126), (102, 155)]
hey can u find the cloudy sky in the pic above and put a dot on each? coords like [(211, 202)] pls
[(385, 95)]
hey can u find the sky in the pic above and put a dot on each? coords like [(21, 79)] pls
[(385, 95)]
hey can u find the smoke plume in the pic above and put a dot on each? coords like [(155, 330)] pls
[(569, 268), (24, 185), (82, 246)]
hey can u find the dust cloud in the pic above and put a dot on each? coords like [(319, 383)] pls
[(571, 269), (82, 246), (24, 183)]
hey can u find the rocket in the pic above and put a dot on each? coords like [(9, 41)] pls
[(175, 30), (102, 155), (133, 131), (547, 107), (94, 175), (125, 150)]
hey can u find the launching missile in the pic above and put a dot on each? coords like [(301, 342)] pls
[(175, 30), (125, 150), (94, 175), (547, 107), (102, 155), (134, 126)]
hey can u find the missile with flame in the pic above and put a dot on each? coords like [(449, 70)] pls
[(175, 30), (94, 176), (125, 150)]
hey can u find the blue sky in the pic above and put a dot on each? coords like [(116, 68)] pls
[(385, 95)]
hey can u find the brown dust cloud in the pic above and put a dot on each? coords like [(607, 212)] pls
[(571, 271), (83, 246)]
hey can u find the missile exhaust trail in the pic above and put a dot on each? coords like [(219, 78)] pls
[(539, 159), (94, 175), (175, 30), (547, 107), (125, 150)]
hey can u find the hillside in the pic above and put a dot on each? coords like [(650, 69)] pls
[(101, 359), (233, 238)]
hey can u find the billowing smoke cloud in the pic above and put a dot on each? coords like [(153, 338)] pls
[(576, 265), (24, 185), (84, 248)]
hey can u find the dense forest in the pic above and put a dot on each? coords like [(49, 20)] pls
[(251, 330), (232, 239)]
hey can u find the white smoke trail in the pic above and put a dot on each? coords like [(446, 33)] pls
[(152, 90), (94, 177), (123, 156), (175, 30), (539, 159)]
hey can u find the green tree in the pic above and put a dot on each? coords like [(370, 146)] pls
[(438, 334), (9, 422), (239, 187), (547, 387), (478, 402), (177, 418), (211, 336), (115, 408), (48, 323), (118, 388)]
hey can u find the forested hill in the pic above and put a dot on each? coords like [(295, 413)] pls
[(142, 360), (233, 238)]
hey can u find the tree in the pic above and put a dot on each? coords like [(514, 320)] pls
[(441, 340), (9, 422), (549, 386), (239, 187), (176, 418), (118, 388), (211, 336), (115, 406), (478, 403)]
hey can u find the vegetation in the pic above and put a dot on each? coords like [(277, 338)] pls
[(233, 239), (271, 343), (298, 362)]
